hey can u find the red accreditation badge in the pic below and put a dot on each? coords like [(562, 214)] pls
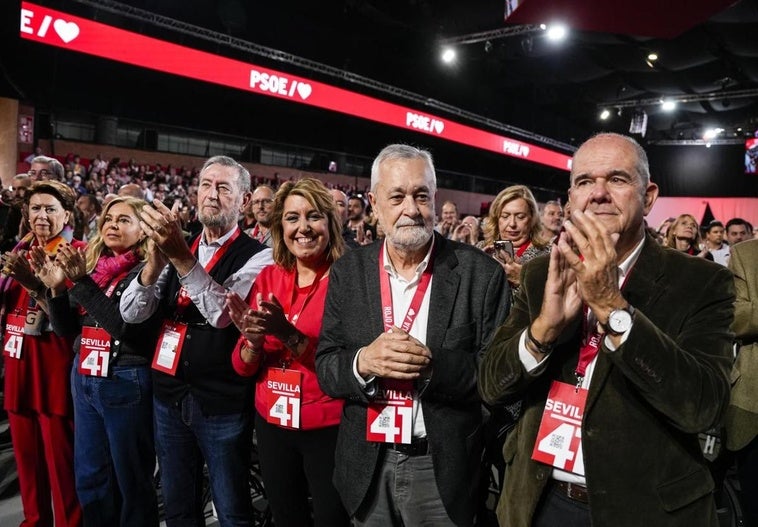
[(13, 337), (283, 389), (94, 352), (559, 440), (390, 414), (169, 347)]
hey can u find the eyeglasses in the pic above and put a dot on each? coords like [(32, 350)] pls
[(43, 173), (267, 201)]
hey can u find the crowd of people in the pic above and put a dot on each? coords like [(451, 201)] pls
[(360, 342)]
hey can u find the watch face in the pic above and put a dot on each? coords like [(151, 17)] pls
[(620, 321)]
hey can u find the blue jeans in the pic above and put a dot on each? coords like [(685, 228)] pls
[(114, 456), (183, 438)]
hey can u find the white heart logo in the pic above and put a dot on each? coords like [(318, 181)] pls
[(68, 31), (439, 126), (304, 90)]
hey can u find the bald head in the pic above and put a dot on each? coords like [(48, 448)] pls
[(340, 200), (131, 189)]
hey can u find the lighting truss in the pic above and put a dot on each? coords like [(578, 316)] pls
[(684, 98), (494, 34), (157, 20)]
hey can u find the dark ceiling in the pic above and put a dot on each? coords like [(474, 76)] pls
[(554, 90)]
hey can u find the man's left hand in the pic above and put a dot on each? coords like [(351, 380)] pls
[(596, 265)]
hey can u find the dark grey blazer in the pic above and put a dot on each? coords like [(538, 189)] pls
[(468, 301), (646, 403)]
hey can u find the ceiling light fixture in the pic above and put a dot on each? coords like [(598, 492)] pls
[(448, 55), (652, 57), (605, 114), (556, 32), (668, 106), (711, 133)]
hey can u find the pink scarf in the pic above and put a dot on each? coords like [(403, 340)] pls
[(108, 268)]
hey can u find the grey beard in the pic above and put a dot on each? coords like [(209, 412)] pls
[(411, 242)]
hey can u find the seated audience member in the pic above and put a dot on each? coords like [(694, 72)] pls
[(43, 167), (737, 230), (259, 217), (513, 218), (714, 242), (551, 219), (280, 330), (364, 232), (620, 350), (340, 202), (133, 190), (16, 226), (90, 208), (448, 219), (684, 235), (114, 453), (467, 231)]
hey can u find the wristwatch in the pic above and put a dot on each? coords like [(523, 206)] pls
[(619, 321), (294, 340)]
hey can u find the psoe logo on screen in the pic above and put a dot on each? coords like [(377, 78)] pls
[(279, 85), (424, 122), (66, 31), (515, 149)]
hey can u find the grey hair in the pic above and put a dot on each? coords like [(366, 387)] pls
[(400, 151), (642, 166), (55, 166), (243, 176)]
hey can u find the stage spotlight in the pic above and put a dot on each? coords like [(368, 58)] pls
[(448, 55), (556, 32), (668, 106), (605, 114)]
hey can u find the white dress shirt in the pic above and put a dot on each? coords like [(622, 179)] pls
[(139, 302), (402, 295)]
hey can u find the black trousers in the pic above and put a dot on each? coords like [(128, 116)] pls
[(557, 509), (294, 465)]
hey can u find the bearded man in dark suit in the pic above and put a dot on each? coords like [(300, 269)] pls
[(620, 351), (405, 323)]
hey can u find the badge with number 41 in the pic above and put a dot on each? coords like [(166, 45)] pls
[(13, 338), (559, 439), (283, 390), (390, 415), (94, 352)]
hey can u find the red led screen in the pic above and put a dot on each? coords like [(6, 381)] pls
[(56, 28)]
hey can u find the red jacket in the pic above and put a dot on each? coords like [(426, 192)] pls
[(317, 410)]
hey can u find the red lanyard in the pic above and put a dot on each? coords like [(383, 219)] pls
[(257, 234), (521, 250), (298, 302), (590, 341), (114, 283), (388, 316), (183, 300)]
